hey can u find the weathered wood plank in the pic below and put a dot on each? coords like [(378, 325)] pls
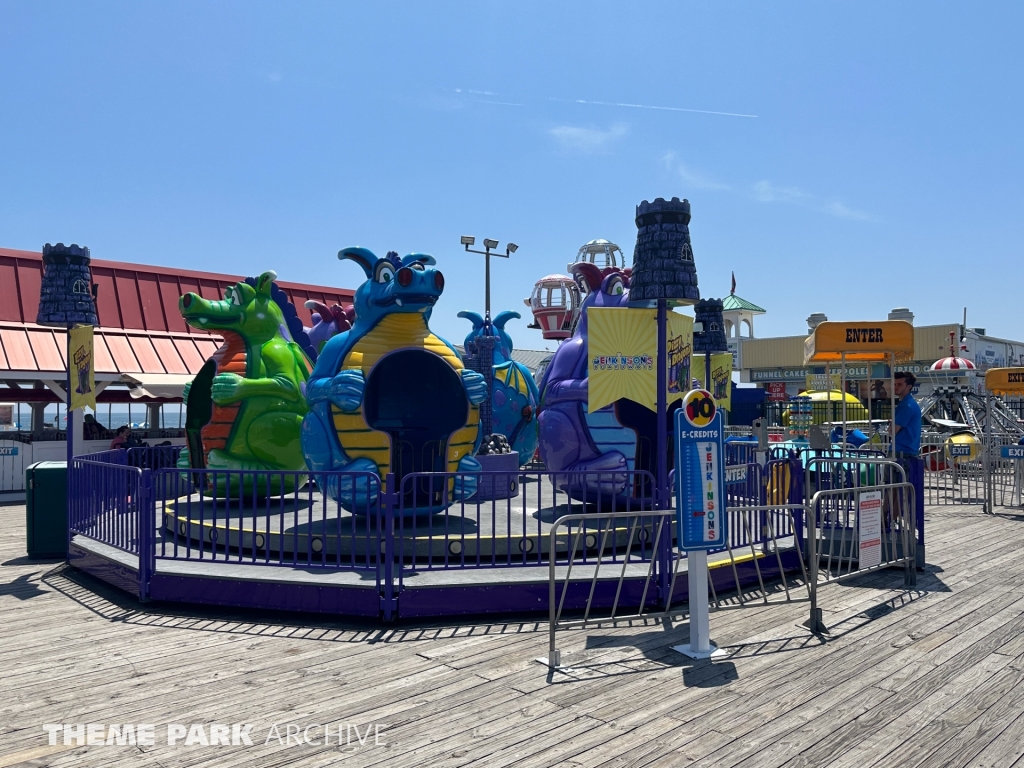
[(932, 677)]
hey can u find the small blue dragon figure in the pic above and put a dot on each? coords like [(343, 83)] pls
[(388, 396), (514, 394)]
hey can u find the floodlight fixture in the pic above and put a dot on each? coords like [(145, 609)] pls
[(511, 247), (468, 240), (490, 244)]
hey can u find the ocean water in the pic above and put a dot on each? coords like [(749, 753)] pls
[(110, 416)]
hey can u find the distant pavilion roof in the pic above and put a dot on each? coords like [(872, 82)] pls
[(733, 302), (140, 330)]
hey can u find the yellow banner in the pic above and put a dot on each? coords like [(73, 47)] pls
[(623, 355), (721, 377), (83, 384)]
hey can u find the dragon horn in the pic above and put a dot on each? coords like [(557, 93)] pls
[(590, 273), (504, 317), (422, 258), (364, 257), (265, 281), (474, 318), (320, 309)]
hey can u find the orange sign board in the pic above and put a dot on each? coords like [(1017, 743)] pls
[(1005, 381), (860, 341)]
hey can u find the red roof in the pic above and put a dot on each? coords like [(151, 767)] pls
[(137, 296), (140, 330)]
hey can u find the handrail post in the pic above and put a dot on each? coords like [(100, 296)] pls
[(910, 550), (388, 495), (554, 656), (988, 507), (146, 515), (814, 621)]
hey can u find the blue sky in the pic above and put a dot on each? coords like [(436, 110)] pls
[(883, 166)]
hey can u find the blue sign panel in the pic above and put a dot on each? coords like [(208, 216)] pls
[(8, 450), (959, 449), (700, 483), (1012, 452)]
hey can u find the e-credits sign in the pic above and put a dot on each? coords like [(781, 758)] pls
[(700, 482)]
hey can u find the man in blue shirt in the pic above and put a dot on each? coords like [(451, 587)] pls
[(908, 417)]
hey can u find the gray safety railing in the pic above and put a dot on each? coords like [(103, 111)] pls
[(834, 548), (762, 570), (764, 565), (1003, 475), (631, 587), (850, 471), (954, 469), (790, 551)]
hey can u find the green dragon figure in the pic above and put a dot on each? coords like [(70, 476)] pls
[(245, 408)]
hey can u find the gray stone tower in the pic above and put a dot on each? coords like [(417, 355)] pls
[(663, 265), (712, 339), (66, 295)]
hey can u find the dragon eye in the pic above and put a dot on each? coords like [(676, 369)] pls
[(615, 287), (385, 272), (418, 266), (236, 299), (583, 286)]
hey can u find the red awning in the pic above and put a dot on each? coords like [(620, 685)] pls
[(141, 336), (26, 348), (137, 296)]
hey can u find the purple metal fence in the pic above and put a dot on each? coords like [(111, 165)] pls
[(222, 516), (107, 501), (153, 456), (397, 530), (494, 528)]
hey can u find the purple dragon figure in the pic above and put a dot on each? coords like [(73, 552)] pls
[(572, 439)]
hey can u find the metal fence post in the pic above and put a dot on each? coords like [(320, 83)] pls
[(665, 561), (146, 516), (910, 574), (554, 655), (814, 621), (388, 497), (988, 506)]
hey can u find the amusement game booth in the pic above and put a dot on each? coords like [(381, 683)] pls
[(890, 342)]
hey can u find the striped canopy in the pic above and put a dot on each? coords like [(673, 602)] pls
[(953, 364)]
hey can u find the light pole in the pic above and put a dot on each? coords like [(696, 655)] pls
[(480, 355), (489, 245)]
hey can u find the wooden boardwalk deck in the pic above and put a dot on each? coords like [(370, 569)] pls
[(929, 678)]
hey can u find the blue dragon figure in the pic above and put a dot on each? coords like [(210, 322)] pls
[(514, 394), (572, 439), (388, 396)]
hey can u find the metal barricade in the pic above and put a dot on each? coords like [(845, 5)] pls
[(847, 514), (1003, 463), (954, 471), (778, 553), (635, 587), (762, 565), (772, 535), (849, 470)]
